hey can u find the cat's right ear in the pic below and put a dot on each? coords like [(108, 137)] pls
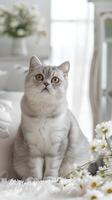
[(34, 63)]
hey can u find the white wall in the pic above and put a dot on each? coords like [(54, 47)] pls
[(42, 47)]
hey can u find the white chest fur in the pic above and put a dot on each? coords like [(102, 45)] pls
[(45, 134)]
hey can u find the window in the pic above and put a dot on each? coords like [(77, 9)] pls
[(72, 39)]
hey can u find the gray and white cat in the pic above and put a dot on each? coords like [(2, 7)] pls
[(49, 140)]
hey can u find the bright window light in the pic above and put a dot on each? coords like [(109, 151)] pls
[(71, 10)]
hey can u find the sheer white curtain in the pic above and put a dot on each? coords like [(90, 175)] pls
[(72, 39)]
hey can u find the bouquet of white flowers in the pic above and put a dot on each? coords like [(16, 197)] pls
[(21, 20), (80, 182)]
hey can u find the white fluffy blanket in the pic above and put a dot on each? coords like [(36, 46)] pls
[(42, 190), (47, 190)]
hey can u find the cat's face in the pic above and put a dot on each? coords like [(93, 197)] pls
[(46, 81)]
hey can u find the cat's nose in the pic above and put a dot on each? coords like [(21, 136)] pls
[(46, 84)]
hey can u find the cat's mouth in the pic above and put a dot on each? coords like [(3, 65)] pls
[(45, 90)]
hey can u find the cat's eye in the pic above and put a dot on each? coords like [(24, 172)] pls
[(55, 79), (39, 77)]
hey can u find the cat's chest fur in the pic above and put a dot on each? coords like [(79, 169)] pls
[(45, 134)]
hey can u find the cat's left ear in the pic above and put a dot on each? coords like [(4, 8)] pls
[(65, 67), (34, 62)]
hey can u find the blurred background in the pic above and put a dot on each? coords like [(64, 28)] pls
[(57, 30)]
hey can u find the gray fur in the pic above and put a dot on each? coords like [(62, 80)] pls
[(49, 140)]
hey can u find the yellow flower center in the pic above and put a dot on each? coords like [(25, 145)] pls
[(109, 190), (81, 186), (93, 197), (104, 129), (93, 184), (93, 147), (103, 146)]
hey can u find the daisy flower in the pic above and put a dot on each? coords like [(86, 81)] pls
[(95, 182), (98, 144), (107, 188), (104, 129), (99, 147), (94, 195)]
